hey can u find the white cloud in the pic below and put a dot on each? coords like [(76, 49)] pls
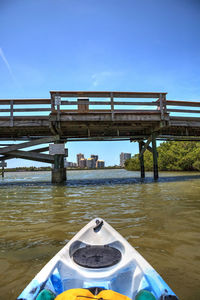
[(2, 55), (101, 77)]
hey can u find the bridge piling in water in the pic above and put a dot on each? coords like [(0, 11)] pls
[(58, 151), (155, 157), (141, 157), (58, 173), (142, 148)]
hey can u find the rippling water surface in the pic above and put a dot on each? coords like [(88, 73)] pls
[(162, 220)]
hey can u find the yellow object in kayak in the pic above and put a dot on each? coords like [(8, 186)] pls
[(84, 294)]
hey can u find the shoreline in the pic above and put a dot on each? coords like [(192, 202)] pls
[(49, 169)]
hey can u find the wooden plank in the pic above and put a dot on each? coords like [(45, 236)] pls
[(185, 118), (34, 118), (136, 103), (182, 103), (144, 147), (178, 137), (105, 94), (107, 117), (119, 111), (25, 101), (44, 149), (39, 150), (76, 103), (31, 109), (108, 103), (28, 144), (30, 156), (184, 110), (25, 109), (189, 124), (4, 101), (85, 102)]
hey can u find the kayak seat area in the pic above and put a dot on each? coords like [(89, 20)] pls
[(97, 256), (126, 280)]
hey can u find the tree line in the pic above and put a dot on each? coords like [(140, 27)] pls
[(172, 156)]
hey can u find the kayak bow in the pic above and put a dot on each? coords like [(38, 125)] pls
[(98, 256)]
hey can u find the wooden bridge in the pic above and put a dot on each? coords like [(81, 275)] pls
[(69, 116)]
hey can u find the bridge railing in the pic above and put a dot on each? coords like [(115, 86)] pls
[(178, 107), (115, 102), (85, 102)]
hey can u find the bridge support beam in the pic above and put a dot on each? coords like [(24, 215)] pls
[(2, 170), (58, 171), (141, 156), (142, 148), (155, 157), (58, 174)]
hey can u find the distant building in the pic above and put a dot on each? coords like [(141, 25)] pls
[(95, 157), (70, 164), (91, 163), (100, 164), (124, 157), (82, 163), (79, 156)]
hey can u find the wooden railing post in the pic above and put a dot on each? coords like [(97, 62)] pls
[(112, 105), (162, 105), (11, 113), (58, 103), (52, 104)]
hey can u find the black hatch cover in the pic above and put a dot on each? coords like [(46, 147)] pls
[(97, 256)]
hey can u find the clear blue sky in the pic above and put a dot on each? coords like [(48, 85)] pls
[(124, 45)]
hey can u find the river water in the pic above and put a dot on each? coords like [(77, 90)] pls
[(160, 219)]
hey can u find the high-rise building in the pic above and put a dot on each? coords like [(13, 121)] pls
[(91, 164), (82, 163), (69, 164), (79, 156), (100, 164), (124, 157), (95, 157)]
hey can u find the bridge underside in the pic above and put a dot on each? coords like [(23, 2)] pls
[(100, 126)]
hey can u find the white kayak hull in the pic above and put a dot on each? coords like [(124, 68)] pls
[(128, 275)]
